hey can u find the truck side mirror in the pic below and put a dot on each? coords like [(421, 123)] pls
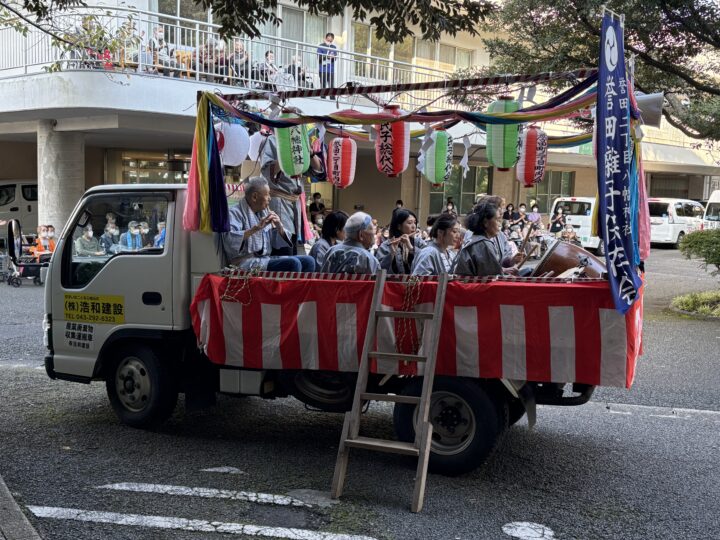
[(14, 240)]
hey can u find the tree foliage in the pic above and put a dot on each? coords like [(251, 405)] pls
[(676, 44), (703, 245), (393, 21)]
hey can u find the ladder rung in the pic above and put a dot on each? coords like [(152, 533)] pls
[(404, 314), (382, 445), (392, 398), (397, 356)]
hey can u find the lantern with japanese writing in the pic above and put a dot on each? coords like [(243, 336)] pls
[(502, 139), (437, 163), (341, 158), (293, 148), (392, 144), (530, 167), (233, 142)]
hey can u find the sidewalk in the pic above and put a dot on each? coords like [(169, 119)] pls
[(13, 523)]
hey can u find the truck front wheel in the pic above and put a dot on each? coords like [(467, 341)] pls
[(465, 424), (142, 391)]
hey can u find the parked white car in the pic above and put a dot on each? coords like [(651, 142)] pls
[(579, 212), (18, 200), (671, 219), (711, 219)]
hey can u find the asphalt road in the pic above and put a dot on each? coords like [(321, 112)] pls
[(632, 464)]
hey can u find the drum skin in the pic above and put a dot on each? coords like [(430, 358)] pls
[(563, 256)]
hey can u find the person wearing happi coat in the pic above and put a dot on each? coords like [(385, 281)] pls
[(353, 255), (286, 194), (396, 254), (437, 257)]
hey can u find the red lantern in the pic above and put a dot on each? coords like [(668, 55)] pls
[(392, 144), (530, 167), (341, 158)]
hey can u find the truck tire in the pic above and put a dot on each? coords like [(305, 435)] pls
[(141, 388), (466, 424), (329, 391)]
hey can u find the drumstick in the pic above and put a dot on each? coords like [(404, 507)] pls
[(527, 256), (527, 235)]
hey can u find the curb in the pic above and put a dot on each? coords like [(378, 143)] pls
[(13, 523), (692, 314)]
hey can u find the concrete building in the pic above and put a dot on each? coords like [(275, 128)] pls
[(73, 119)]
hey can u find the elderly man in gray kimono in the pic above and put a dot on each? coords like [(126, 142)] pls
[(255, 231), (286, 192), (353, 255), (481, 255)]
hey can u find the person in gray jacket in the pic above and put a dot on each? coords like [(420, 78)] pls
[(332, 233), (396, 254), (437, 258), (481, 255), (353, 255)]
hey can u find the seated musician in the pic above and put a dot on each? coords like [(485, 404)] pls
[(506, 246), (353, 255), (437, 257), (482, 255), (396, 254), (332, 232), (255, 231)]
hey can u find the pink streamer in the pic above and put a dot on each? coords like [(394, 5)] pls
[(191, 215), (307, 231)]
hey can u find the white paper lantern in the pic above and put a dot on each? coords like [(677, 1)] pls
[(256, 143), (233, 143), (341, 159)]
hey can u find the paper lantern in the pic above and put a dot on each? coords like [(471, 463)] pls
[(233, 143), (530, 168), (341, 159), (437, 165), (293, 148), (392, 144), (256, 143), (502, 139)]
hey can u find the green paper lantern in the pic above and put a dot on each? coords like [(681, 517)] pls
[(438, 158), (293, 148), (502, 139)]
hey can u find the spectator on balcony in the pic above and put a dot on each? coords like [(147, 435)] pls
[(240, 61), (297, 70), (327, 54), (268, 70), (205, 60), (163, 57)]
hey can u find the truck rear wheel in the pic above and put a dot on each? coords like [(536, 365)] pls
[(329, 391), (142, 391), (465, 424)]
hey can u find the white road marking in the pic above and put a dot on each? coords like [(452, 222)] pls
[(619, 412), (226, 470), (526, 530), (207, 493), (651, 409), (184, 524), (674, 416)]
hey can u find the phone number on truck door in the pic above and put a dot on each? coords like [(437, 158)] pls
[(94, 308)]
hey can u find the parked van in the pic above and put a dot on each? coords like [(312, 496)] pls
[(671, 219), (18, 200), (578, 212), (711, 219)]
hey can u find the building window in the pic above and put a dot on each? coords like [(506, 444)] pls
[(447, 57), (555, 184), (152, 168), (461, 191), (463, 58)]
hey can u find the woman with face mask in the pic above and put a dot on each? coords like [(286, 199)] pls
[(44, 245), (332, 233), (108, 240), (87, 244), (557, 223), (396, 254)]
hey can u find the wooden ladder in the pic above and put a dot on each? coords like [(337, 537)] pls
[(420, 447)]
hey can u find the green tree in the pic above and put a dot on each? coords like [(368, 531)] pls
[(676, 44), (393, 20), (704, 245)]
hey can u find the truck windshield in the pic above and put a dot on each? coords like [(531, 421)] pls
[(110, 226), (713, 211)]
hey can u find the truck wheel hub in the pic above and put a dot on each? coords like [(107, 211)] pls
[(133, 384), (453, 423)]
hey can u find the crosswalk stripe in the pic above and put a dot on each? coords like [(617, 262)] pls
[(208, 493), (184, 524)]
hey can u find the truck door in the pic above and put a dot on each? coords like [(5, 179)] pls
[(115, 271)]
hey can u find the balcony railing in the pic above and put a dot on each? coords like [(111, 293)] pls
[(195, 51)]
